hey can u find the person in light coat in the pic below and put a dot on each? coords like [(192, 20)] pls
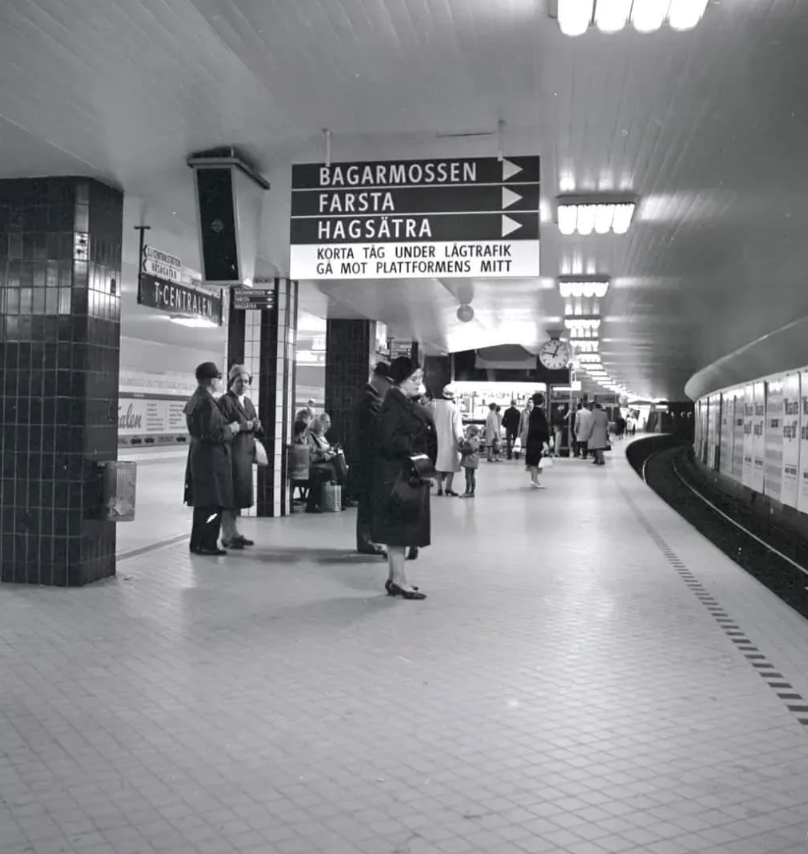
[(599, 434), (583, 427), (493, 433), (449, 429)]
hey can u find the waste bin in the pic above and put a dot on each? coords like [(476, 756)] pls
[(118, 483)]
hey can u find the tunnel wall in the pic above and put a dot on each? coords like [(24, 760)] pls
[(753, 436)]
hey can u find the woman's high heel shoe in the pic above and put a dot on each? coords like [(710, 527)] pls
[(395, 590)]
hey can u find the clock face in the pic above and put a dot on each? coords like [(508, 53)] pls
[(555, 355)]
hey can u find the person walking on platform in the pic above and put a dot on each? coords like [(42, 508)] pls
[(405, 440), (209, 473), (510, 421), (449, 429), (524, 426), (538, 441), (583, 427), (238, 408), (599, 434), (493, 431), (362, 455)]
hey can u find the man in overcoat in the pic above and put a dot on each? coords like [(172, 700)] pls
[(209, 474), (362, 453)]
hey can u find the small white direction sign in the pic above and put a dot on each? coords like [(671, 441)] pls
[(161, 264)]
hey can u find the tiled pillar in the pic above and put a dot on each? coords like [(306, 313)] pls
[(437, 373), (271, 360), (60, 273), (350, 352)]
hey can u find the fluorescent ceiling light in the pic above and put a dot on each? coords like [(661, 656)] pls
[(585, 346), (570, 288), (589, 357), (588, 216), (195, 322), (582, 322), (610, 16)]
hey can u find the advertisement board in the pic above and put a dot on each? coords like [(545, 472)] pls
[(759, 437), (712, 429), (802, 497), (789, 489), (150, 416), (727, 433), (748, 419), (739, 419), (773, 452)]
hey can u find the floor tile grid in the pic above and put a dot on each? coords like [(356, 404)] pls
[(496, 743)]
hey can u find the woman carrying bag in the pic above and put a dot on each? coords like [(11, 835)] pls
[(406, 448), (538, 441), (247, 450)]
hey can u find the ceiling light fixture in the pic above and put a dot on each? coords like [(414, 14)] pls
[(583, 286), (585, 346), (589, 358), (577, 322), (194, 322), (594, 214), (575, 17)]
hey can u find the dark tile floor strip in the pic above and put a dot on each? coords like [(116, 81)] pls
[(794, 702)]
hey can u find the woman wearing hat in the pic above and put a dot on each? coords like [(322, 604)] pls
[(449, 428), (237, 408), (209, 474), (402, 512)]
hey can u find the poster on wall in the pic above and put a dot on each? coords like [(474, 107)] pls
[(789, 488), (150, 416), (727, 433), (739, 419), (773, 453), (748, 419), (802, 497), (712, 430), (759, 437)]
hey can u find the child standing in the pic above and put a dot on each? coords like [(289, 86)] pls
[(470, 458)]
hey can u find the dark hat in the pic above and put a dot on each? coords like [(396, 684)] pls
[(208, 371), (402, 369), (382, 370)]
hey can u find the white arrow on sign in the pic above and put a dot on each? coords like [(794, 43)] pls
[(509, 169), (509, 198), (509, 225)]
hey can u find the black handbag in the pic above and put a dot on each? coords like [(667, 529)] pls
[(421, 469)]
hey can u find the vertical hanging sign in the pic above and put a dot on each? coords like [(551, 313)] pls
[(791, 440)]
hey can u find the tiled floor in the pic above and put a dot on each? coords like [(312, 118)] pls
[(562, 690)]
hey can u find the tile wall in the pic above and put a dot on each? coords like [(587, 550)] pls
[(350, 353), (60, 270)]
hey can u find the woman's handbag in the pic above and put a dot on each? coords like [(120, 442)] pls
[(331, 498), (545, 463), (341, 467), (261, 457), (422, 469)]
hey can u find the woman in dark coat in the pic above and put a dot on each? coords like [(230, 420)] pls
[(402, 511), (209, 474), (238, 408), (538, 440)]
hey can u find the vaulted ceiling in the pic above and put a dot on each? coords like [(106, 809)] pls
[(709, 128)]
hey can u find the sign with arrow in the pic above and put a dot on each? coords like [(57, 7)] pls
[(464, 218)]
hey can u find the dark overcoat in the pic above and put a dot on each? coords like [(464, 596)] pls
[(243, 447), (538, 434), (361, 448), (404, 429), (209, 473)]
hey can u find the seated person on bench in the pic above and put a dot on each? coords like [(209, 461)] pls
[(327, 464)]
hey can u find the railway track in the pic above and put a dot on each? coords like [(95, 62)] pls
[(771, 552)]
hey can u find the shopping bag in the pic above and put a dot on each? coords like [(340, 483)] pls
[(261, 457), (517, 445), (331, 498), (545, 463)]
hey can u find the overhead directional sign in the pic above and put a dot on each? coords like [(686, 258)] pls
[(161, 264), (463, 218)]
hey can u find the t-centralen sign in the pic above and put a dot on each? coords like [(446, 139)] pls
[(464, 218)]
